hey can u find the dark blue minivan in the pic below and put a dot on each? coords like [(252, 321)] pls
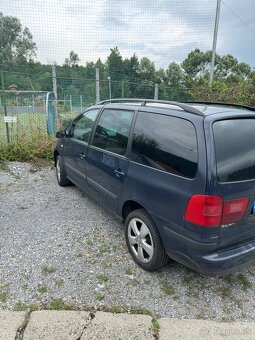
[(180, 176)]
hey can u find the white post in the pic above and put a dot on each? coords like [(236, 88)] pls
[(156, 91), (216, 26), (97, 86), (110, 87), (71, 104)]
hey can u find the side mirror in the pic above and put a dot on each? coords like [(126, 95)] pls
[(61, 134)]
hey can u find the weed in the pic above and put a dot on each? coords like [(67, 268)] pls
[(167, 288), (130, 271), (105, 248), (3, 297), (103, 278), (99, 296), (48, 270), (42, 289), (225, 292), (147, 282), (133, 282), (59, 283), (243, 281), (89, 242), (116, 309), (59, 304), (229, 279), (155, 325), (21, 306), (140, 310), (4, 166)]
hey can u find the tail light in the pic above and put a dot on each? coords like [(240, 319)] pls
[(212, 211)]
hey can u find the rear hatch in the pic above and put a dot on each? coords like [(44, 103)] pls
[(232, 165)]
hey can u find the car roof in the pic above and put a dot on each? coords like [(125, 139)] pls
[(202, 109)]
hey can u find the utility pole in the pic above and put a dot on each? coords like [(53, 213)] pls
[(216, 26), (97, 86)]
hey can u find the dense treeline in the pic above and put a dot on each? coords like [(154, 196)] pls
[(234, 81)]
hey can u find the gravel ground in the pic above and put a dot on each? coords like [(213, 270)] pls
[(60, 249)]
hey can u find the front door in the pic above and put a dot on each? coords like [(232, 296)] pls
[(76, 146), (106, 162)]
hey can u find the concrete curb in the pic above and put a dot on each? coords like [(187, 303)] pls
[(72, 325)]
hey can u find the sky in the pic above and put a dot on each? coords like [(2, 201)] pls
[(162, 30)]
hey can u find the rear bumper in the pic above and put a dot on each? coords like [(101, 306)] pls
[(206, 257)]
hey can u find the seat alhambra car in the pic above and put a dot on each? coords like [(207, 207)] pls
[(180, 176)]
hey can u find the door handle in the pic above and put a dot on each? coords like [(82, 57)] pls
[(119, 173), (82, 156)]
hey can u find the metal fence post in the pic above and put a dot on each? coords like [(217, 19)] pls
[(55, 91), (4, 105)]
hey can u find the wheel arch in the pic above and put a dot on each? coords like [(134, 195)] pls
[(55, 154), (130, 206)]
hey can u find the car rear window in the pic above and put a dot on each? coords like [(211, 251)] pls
[(235, 149)]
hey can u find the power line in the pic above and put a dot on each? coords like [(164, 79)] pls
[(238, 17)]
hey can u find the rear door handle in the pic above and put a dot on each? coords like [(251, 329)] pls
[(119, 173), (82, 156)]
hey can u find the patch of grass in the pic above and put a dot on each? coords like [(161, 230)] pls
[(116, 309), (140, 310), (133, 282), (102, 278), (229, 279), (4, 166), (89, 242), (244, 282), (3, 297), (130, 271), (105, 248), (59, 283), (227, 319), (21, 306), (99, 296), (25, 150), (42, 289), (167, 288), (155, 325), (147, 282), (59, 304), (46, 270), (225, 292)]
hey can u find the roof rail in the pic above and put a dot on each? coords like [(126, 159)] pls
[(184, 106), (251, 108)]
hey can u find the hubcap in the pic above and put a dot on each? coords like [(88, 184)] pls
[(140, 240)]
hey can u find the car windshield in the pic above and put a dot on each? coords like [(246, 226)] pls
[(235, 149)]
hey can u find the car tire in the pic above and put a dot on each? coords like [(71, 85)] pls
[(61, 173), (144, 242)]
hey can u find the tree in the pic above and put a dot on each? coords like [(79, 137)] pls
[(73, 59), (16, 43)]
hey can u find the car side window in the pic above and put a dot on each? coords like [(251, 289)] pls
[(113, 129), (81, 129), (166, 143)]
